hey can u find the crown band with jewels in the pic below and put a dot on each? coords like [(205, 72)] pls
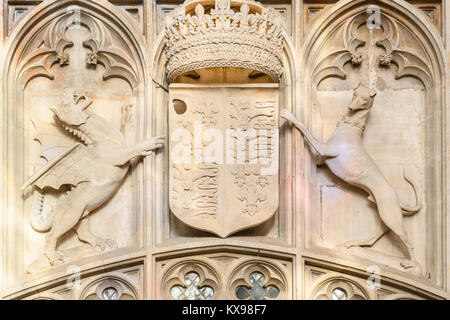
[(248, 37)]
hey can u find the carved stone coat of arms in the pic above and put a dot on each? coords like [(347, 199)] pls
[(223, 156)]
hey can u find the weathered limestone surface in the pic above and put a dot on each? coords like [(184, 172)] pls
[(224, 150)]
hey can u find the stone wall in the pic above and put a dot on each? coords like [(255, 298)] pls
[(92, 206)]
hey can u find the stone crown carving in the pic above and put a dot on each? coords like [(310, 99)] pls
[(241, 34)]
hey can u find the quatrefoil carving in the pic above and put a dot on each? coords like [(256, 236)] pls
[(191, 289), (111, 287), (258, 280), (339, 289), (258, 290), (192, 280)]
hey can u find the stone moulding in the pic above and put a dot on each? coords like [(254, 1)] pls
[(248, 37)]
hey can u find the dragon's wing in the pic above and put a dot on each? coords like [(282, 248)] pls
[(72, 168), (66, 160), (53, 139)]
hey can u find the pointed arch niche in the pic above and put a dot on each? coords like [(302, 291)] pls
[(406, 129), (70, 44), (170, 233)]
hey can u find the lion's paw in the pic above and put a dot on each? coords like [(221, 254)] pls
[(409, 264), (350, 244)]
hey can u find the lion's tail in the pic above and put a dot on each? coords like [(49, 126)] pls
[(42, 212), (410, 210)]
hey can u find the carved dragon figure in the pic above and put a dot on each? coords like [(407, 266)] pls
[(346, 157), (85, 166)]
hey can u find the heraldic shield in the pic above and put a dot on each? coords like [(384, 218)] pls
[(223, 155)]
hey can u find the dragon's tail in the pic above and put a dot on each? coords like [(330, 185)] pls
[(410, 210), (42, 212)]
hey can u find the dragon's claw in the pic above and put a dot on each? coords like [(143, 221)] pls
[(54, 257), (407, 264)]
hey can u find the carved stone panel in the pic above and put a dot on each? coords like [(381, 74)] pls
[(395, 131), (224, 149), (223, 156), (64, 111)]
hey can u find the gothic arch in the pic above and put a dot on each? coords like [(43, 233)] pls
[(21, 64), (431, 72), (43, 14)]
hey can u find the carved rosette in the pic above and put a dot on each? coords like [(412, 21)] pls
[(244, 35)]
